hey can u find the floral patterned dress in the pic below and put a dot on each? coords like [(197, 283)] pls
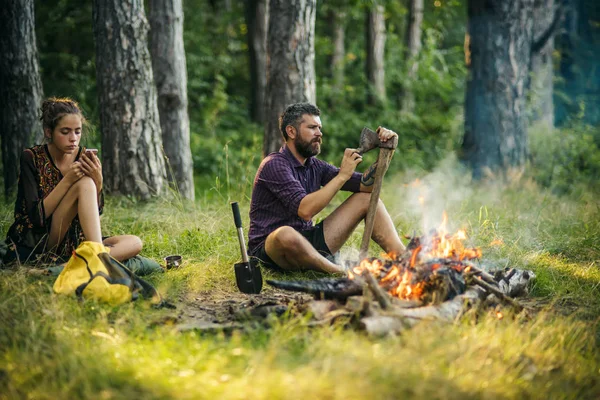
[(27, 237)]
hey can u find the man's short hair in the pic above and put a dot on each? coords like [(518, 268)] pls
[(293, 115)]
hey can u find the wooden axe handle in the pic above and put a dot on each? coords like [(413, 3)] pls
[(383, 162)]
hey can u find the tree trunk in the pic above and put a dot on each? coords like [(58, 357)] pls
[(20, 87), (290, 63), (133, 163), (375, 55), (413, 48), (257, 17), (495, 141), (170, 76), (542, 68), (339, 53)]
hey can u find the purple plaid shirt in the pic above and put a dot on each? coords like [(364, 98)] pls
[(280, 184)]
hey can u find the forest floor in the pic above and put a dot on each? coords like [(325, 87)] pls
[(56, 347)]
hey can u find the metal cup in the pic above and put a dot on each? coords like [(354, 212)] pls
[(173, 261)]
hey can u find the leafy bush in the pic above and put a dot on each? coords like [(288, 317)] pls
[(561, 157)]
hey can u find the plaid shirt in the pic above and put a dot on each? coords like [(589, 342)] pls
[(280, 184)]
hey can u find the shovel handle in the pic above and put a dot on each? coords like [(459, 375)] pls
[(236, 214), (238, 224)]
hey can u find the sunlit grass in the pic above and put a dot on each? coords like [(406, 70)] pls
[(56, 347)]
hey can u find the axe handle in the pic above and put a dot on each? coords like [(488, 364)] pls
[(383, 162)]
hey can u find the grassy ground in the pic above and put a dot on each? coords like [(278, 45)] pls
[(56, 347)]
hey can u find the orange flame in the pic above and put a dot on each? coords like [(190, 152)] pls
[(397, 274)]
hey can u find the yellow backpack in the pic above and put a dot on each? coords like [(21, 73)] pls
[(92, 273)]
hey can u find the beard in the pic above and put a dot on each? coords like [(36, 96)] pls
[(308, 149)]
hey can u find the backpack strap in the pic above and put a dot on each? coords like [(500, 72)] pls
[(147, 290)]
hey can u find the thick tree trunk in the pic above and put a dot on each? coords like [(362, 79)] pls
[(375, 54), (20, 86), (542, 68), (495, 141), (257, 17), (170, 76), (568, 44), (413, 48), (339, 52), (133, 162), (290, 63)]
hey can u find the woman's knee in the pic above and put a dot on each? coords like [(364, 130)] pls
[(85, 185), (136, 244), (130, 245)]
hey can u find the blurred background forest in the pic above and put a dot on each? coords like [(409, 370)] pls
[(227, 145)]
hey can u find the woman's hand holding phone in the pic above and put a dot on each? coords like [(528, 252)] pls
[(90, 164)]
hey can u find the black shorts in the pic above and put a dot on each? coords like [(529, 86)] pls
[(315, 236)]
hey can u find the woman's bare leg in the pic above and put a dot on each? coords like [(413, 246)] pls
[(123, 247), (82, 200)]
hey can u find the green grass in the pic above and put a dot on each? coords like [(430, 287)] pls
[(55, 347)]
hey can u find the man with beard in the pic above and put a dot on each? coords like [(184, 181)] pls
[(292, 186)]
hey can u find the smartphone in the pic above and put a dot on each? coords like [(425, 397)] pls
[(95, 151)]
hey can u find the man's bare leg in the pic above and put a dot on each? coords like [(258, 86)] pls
[(123, 247), (291, 251), (340, 224), (82, 200)]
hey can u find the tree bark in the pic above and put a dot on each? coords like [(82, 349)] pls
[(20, 87), (170, 76), (257, 17), (542, 68), (495, 141), (133, 163), (375, 55), (290, 63), (339, 52), (413, 48)]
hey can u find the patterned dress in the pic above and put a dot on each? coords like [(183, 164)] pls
[(27, 237)]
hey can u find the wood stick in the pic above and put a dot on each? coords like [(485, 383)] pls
[(484, 275), (383, 162), (499, 293), (380, 295)]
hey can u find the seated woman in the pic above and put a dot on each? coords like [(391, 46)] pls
[(59, 198)]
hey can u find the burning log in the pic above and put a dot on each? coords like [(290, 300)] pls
[(379, 294), (326, 288)]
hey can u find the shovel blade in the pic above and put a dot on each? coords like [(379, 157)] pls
[(248, 278)]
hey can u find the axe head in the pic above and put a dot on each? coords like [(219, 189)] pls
[(368, 140)]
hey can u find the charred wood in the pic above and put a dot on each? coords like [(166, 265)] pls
[(326, 288), (498, 293)]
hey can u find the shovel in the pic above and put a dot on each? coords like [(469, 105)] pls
[(247, 276)]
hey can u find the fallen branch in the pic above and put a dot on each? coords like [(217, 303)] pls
[(503, 297), (487, 277)]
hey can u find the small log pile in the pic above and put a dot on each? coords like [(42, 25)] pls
[(344, 297), (435, 279)]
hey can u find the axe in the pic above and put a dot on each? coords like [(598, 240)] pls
[(369, 140)]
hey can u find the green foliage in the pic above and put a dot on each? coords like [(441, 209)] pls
[(65, 43), (434, 130), (566, 159)]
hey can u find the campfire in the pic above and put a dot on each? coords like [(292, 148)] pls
[(431, 270), (437, 277)]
